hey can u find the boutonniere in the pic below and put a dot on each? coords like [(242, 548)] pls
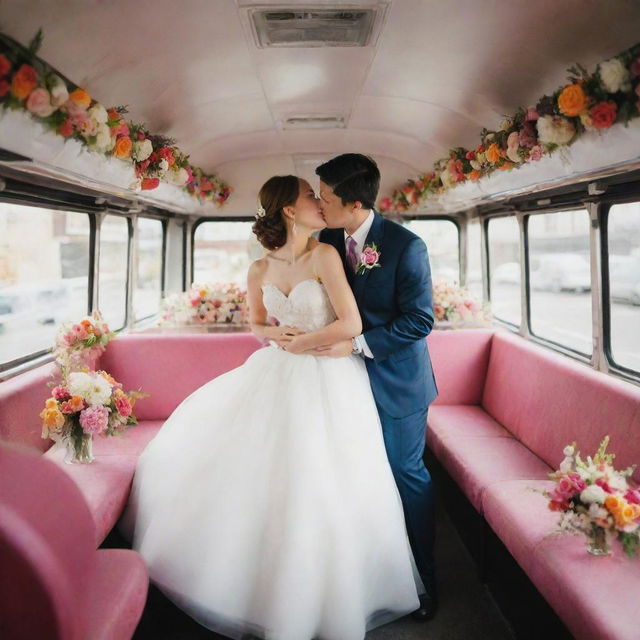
[(369, 258)]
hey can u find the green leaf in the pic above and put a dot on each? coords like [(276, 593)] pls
[(36, 43)]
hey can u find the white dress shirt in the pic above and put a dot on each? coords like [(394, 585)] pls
[(360, 235)]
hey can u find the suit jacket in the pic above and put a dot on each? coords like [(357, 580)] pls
[(395, 303)]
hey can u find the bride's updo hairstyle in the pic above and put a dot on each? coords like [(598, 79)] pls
[(276, 193)]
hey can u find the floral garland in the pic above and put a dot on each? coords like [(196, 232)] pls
[(206, 304), (454, 304), (589, 102), (28, 83)]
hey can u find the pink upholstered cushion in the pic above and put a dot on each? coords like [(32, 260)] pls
[(597, 597), (448, 423), (547, 400), (519, 515), (476, 463), (460, 359), (113, 613), (21, 401), (106, 482), (171, 366)]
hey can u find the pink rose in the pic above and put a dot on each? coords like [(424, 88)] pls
[(94, 419), (527, 136), (80, 332), (633, 496), (369, 256), (39, 103), (123, 406), (60, 393), (532, 115)]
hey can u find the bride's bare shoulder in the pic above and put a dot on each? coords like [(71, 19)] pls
[(257, 269), (324, 252)]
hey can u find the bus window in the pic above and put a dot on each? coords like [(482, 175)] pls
[(223, 251), (623, 233), (560, 278), (441, 238), (114, 251), (504, 268), (44, 266), (148, 289)]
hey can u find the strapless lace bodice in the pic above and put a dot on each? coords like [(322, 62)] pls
[(307, 306)]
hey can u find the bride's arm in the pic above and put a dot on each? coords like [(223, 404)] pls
[(328, 267), (257, 312)]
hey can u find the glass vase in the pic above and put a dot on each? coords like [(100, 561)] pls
[(598, 542), (79, 449)]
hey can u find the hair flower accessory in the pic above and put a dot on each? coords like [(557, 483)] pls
[(260, 213), (369, 259)]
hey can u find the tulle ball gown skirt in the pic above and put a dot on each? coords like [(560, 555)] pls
[(265, 506)]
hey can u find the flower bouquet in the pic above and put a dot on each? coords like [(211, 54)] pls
[(454, 305), (596, 500), (206, 304), (87, 403), (78, 346)]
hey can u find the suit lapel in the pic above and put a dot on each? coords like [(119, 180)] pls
[(374, 236)]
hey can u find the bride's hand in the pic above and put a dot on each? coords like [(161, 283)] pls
[(281, 333)]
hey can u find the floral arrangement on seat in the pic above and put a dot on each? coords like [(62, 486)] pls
[(455, 305), (87, 403), (29, 83), (206, 304), (596, 500), (79, 345), (588, 102)]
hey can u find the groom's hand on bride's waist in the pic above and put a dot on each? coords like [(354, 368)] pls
[(337, 350)]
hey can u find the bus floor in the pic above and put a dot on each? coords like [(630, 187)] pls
[(467, 610)]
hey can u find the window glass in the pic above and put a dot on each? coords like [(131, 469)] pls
[(560, 278), (223, 251), (624, 283), (504, 268), (44, 266), (112, 290), (148, 289), (441, 238)]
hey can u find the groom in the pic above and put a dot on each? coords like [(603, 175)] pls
[(392, 287)]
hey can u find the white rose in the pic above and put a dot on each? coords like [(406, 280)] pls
[(614, 75), (596, 511), (142, 149), (593, 493), (59, 93), (164, 166), (92, 387), (104, 142), (178, 177), (98, 113), (475, 165), (555, 130)]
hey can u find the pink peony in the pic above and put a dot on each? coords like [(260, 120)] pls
[(527, 136), (633, 496), (39, 103), (94, 419), (60, 393), (123, 405)]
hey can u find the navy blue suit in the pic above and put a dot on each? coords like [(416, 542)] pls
[(395, 303)]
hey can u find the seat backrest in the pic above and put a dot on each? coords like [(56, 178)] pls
[(21, 401), (460, 359), (548, 401), (46, 538), (169, 367)]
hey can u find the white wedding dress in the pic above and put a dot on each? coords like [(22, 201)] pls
[(266, 506)]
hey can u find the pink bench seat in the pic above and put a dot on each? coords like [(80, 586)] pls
[(498, 443)]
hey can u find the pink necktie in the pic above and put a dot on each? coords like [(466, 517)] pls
[(351, 253)]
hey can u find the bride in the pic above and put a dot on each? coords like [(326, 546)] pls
[(266, 506)]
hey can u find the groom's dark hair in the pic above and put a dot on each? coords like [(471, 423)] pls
[(352, 177)]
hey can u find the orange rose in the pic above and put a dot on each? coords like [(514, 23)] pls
[(572, 101), (614, 504), (76, 403), (506, 166), (493, 153), (109, 378), (474, 175), (80, 97), (24, 81), (123, 147)]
